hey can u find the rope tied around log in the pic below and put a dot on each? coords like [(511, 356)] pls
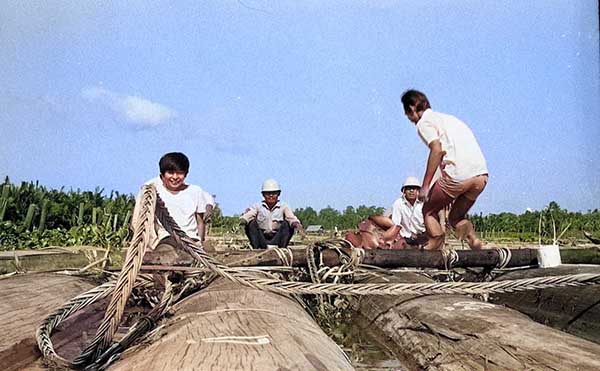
[(504, 256)]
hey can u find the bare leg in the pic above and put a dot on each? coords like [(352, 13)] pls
[(438, 199), (463, 228)]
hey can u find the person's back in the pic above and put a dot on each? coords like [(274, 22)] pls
[(463, 158)]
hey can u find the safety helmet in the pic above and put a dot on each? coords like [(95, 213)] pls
[(270, 185), (411, 181)]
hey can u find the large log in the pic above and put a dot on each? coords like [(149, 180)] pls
[(454, 332), (26, 301), (383, 258), (230, 327), (575, 310), (59, 259)]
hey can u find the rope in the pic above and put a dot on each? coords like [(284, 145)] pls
[(504, 256), (281, 254), (292, 287)]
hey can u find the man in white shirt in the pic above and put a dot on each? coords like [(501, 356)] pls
[(407, 214), (189, 205), (270, 222), (456, 171), (400, 227)]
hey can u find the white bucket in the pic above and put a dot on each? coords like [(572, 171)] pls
[(548, 256)]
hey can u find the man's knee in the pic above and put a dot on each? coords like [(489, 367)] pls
[(462, 228)]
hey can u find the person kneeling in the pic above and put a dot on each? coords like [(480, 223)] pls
[(270, 222)]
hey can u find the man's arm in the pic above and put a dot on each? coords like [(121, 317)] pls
[(249, 214), (288, 215), (201, 226), (433, 162)]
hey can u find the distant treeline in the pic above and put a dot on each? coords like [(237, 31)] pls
[(32, 216)]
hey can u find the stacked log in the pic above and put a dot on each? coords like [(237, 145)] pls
[(230, 327), (575, 310), (455, 332), (26, 301)]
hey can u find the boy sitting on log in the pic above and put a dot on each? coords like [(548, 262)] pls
[(189, 205)]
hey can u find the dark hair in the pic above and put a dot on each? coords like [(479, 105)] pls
[(174, 161), (415, 98)]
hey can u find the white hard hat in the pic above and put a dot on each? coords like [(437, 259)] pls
[(411, 181), (270, 185)]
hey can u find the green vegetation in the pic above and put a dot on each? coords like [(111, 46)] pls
[(32, 216), (545, 225)]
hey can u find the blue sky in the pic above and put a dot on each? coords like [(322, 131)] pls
[(307, 92)]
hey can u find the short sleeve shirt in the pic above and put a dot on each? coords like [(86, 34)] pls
[(183, 205), (269, 220), (463, 157), (409, 217)]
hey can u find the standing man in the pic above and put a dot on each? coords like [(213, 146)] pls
[(189, 205), (270, 222), (456, 171)]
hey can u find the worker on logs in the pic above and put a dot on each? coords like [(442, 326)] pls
[(270, 222), (456, 171), (401, 228), (189, 205)]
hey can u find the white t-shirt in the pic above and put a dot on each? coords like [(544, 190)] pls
[(183, 205), (409, 217), (463, 158)]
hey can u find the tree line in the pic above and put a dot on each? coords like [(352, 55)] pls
[(33, 216)]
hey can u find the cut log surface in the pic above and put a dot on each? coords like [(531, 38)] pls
[(230, 327), (454, 332), (26, 301), (575, 310)]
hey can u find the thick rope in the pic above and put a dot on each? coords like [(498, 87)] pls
[(133, 261), (289, 287)]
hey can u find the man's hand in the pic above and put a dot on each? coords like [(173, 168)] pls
[(424, 194), (300, 230), (208, 214)]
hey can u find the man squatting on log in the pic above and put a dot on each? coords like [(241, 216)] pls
[(401, 228), (270, 222), (456, 171), (189, 205)]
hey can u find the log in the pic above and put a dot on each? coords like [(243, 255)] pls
[(230, 327), (575, 310), (26, 301), (455, 332), (58, 259), (387, 258)]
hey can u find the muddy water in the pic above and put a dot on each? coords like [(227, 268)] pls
[(366, 354)]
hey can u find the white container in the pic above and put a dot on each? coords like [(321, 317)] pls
[(548, 256)]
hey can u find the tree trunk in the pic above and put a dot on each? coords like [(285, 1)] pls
[(454, 332), (26, 301), (575, 310), (230, 327)]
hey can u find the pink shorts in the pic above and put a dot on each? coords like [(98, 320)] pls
[(469, 188)]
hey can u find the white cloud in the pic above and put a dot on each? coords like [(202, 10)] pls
[(134, 109)]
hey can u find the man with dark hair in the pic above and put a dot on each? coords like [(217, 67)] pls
[(456, 171), (189, 205)]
